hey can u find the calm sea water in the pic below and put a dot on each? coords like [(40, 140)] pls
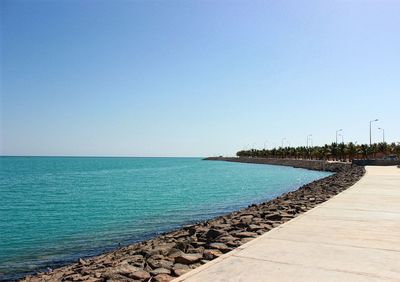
[(56, 209)]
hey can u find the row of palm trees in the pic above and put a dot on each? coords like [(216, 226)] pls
[(334, 151)]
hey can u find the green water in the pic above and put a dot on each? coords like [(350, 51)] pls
[(56, 209)]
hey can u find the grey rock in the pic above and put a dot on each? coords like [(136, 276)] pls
[(160, 271)]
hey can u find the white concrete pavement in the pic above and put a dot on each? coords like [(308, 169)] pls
[(354, 236)]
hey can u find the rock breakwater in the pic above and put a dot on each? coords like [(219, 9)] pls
[(298, 163), (175, 253)]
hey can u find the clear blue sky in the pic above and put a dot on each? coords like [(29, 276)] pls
[(195, 78)]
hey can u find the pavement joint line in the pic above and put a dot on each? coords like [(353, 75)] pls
[(328, 244), (339, 245), (300, 230), (364, 210), (327, 217), (314, 267), (352, 220), (374, 194), (372, 190), (394, 195), (353, 238)]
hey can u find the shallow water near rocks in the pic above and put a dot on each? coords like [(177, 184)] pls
[(54, 210)]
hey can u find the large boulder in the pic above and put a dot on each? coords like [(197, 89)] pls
[(159, 263), (219, 246), (140, 275), (212, 254), (188, 258), (214, 233)]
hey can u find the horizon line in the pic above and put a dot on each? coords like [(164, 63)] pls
[(98, 156)]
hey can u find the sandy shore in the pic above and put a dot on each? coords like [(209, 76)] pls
[(173, 254)]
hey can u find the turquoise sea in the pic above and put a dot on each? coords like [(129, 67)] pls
[(54, 210)]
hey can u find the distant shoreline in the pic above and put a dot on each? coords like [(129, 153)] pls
[(319, 165), (175, 253)]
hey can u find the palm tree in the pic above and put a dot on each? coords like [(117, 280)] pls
[(326, 152), (373, 149), (365, 150), (351, 151), (334, 150), (383, 148), (342, 150), (317, 153), (395, 149), (274, 152)]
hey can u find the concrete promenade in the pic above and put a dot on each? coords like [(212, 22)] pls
[(354, 236)]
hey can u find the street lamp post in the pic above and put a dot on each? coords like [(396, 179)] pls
[(383, 134), (337, 133), (370, 138), (283, 139), (308, 137), (341, 135)]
